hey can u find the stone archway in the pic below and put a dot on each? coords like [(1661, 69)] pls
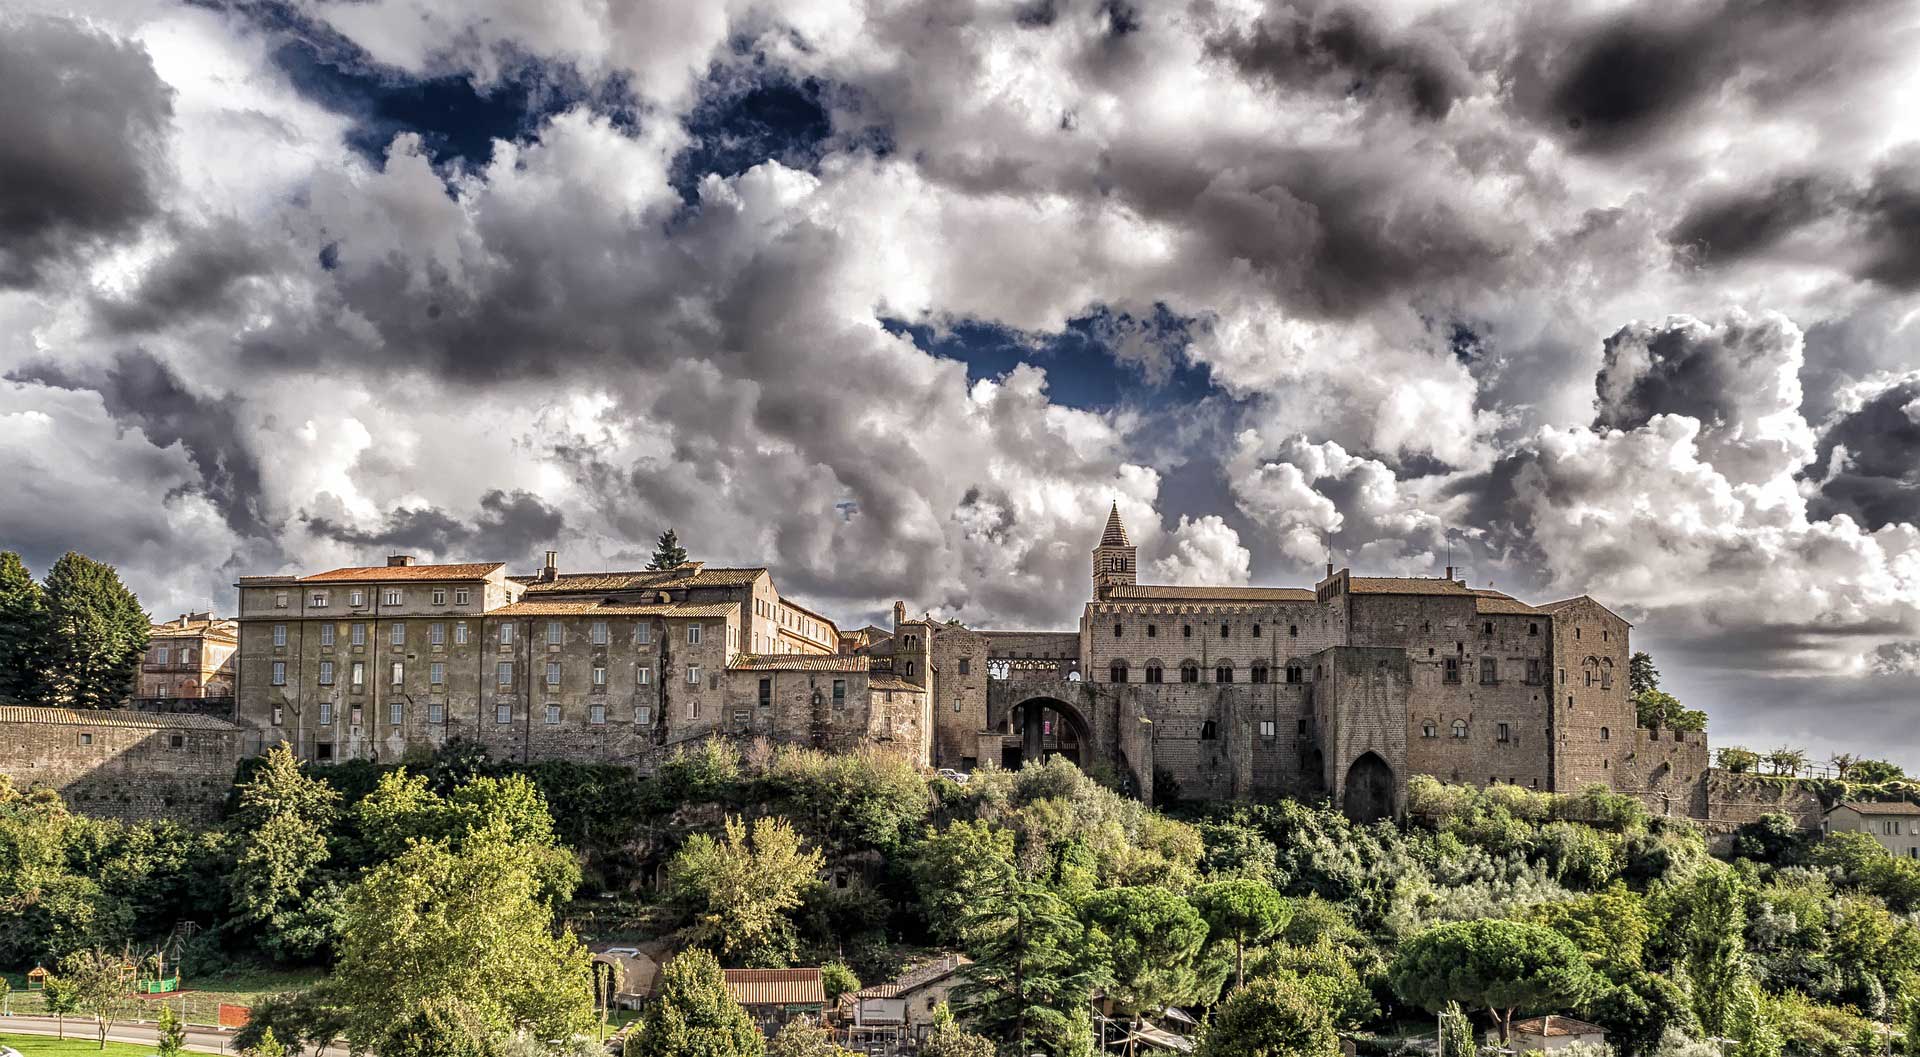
[(1047, 727), (1368, 795)]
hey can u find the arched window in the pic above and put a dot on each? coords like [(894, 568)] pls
[(1223, 672), (1605, 734), (1429, 729), (1606, 673), (1154, 672), (1208, 731), (1073, 676), (1117, 672), (1189, 671), (1259, 672), (1459, 728)]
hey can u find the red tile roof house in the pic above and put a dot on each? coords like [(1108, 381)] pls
[(774, 996), (1549, 1033)]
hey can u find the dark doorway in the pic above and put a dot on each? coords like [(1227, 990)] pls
[(1047, 727), (1369, 795)]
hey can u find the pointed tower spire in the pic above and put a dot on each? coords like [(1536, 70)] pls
[(1113, 559)]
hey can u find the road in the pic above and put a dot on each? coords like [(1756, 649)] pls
[(199, 1039)]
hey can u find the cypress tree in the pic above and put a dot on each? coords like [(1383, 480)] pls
[(25, 633), (668, 553), (99, 633)]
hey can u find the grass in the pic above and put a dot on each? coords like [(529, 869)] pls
[(200, 1004), (49, 1046)]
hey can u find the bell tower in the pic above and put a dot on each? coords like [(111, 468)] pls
[(1113, 559)]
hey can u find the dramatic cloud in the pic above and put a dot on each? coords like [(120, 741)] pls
[(896, 299)]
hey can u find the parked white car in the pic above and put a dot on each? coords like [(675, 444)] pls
[(948, 773)]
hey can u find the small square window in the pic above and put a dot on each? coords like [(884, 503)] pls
[(597, 714), (461, 596), (553, 714), (323, 751), (319, 600), (393, 596), (85, 738), (279, 600), (439, 596), (1266, 728), (436, 712), (503, 714), (356, 598)]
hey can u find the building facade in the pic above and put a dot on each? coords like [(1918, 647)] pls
[(1896, 825), (189, 658)]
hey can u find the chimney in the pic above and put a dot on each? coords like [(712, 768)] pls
[(551, 571), (1449, 572), (1329, 570), (899, 613), (183, 620), (395, 560)]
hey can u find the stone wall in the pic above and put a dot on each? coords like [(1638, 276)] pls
[(122, 764), (1594, 714), (1668, 771), (1735, 799)]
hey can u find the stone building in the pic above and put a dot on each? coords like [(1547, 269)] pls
[(118, 763), (1896, 825), (189, 658), (374, 662)]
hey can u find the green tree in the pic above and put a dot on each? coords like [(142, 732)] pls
[(1707, 922), (1657, 709), (801, 1037), (667, 553), (1032, 971), (1787, 760), (100, 983), (267, 1046), (171, 1033), (1611, 926), (741, 890), (957, 867), (1243, 910), (99, 633), (1749, 1025), (26, 634), (948, 1040), (836, 979), (1640, 1010), (692, 1015), (1151, 940), (435, 927), (1456, 1033), (1269, 1018), (1875, 772), (1498, 966), (1737, 759), (440, 1027), (1642, 676), (62, 999), (281, 824)]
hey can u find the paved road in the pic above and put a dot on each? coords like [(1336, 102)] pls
[(199, 1039)]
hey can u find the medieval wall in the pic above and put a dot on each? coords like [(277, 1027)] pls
[(1735, 799), (1667, 771), (122, 764), (1594, 714)]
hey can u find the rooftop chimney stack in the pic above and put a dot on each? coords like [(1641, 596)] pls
[(551, 571), (899, 613), (398, 560), (1449, 572)]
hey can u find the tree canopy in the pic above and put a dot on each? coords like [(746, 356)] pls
[(1498, 966), (1269, 1018), (667, 553), (99, 633), (742, 888), (692, 1015)]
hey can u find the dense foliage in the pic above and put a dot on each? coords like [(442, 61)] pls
[(74, 641)]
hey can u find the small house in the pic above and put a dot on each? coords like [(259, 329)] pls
[(1895, 825), (1548, 1033), (638, 971), (900, 1010), (774, 996)]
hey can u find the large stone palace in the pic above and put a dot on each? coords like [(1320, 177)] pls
[(1344, 689)]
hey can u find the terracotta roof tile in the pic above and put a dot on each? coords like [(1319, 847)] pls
[(1873, 807), (1494, 602), (113, 717), (893, 682), (581, 607), (399, 573), (800, 662), (920, 976), (1556, 1026), (1178, 593), (776, 987), (1405, 585)]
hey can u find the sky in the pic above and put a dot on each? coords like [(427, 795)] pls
[(896, 296)]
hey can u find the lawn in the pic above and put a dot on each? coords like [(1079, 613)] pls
[(48, 1046), (200, 1003)]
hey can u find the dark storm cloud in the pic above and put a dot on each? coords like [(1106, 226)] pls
[(200, 276), (1344, 49), (1630, 79), (1667, 371), (140, 391), (80, 133), (1729, 227), (1877, 481), (511, 527), (1888, 217), (1879, 222)]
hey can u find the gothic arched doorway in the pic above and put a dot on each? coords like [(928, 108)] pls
[(1046, 726), (1369, 789)]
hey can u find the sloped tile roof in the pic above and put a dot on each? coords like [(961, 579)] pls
[(1495, 602), (776, 987), (397, 573), (1554, 607), (920, 976), (1556, 1026), (113, 717), (893, 682), (601, 607), (1179, 593), (1874, 807), (1405, 585), (1116, 533), (800, 662)]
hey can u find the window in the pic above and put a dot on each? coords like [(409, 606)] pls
[(909, 672), (1225, 631), (1453, 670), (1489, 671), (326, 673), (397, 633), (396, 713), (1266, 728), (1153, 631), (461, 596), (160, 652), (766, 691), (279, 673), (326, 636), (1533, 672), (1296, 673), (966, 666), (693, 709), (1459, 728), (279, 638), (1259, 672), (1606, 674), (741, 717), (436, 634), (1117, 672), (506, 634), (437, 673), (357, 676), (1605, 734), (356, 598), (839, 693), (1503, 732), (460, 633), (1293, 631), (323, 751), (597, 714), (436, 712), (503, 714), (555, 634), (643, 714), (1209, 731), (318, 600), (1889, 827), (1429, 729), (1223, 673), (1486, 627), (553, 673), (1154, 672), (279, 717), (1533, 628), (357, 634), (693, 635), (353, 715), (439, 596), (693, 673), (399, 673), (1256, 631), (326, 713), (643, 675), (1186, 631), (503, 673), (1119, 630), (598, 633), (1189, 672), (553, 714), (279, 602), (392, 596)]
